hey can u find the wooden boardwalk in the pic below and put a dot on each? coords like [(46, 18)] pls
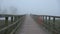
[(30, 27)]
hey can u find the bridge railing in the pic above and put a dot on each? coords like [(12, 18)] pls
[(16, 21), (52, 23)]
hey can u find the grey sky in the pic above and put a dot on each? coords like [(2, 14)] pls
[(48, 7)]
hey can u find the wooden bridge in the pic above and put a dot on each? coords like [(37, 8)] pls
[(30, 24)]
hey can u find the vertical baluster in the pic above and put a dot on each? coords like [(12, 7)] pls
[(6, 21), (11, 19), (49, 23), (53, 25), (15, 18), (43, 20), (6, 24), (46, 22), (11, 23), (53, 22)]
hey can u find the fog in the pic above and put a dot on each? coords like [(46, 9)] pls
[(40, 7)]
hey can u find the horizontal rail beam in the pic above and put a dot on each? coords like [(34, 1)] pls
[(48, 23), (48, 16), (10, 25)]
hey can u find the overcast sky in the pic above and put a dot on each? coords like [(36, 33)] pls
[(45, 7)]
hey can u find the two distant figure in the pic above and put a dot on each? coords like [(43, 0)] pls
[(40, 20)]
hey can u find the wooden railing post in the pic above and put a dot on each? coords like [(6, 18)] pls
[(12, 19), (15, 18), (53, 22), (6, 21), (6, 24), (45, 22), (43, 19), (49, 23), (49, 19), (53, 25)]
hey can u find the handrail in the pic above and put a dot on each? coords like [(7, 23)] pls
[(9, 25), (9, 15), (15, 28), (48, 25), (48, 16), (14, 25)]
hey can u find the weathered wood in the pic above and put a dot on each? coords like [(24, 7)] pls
[(49, 23), (46, 20), (9, 27), (12, 19), (6, 24), (15, 18), (53, 22), (43, 19), (53, 25), (6, 21)]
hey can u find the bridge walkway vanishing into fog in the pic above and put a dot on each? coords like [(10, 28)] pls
[(29, 26)]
